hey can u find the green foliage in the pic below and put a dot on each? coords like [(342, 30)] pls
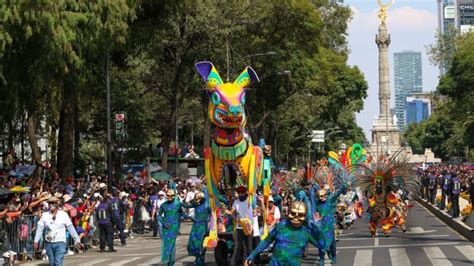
[(53, 52), (449, 130), (441, 53)]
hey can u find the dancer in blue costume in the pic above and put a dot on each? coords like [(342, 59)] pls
[(200, 228), (169, 216), (324, 203), (290, 238)]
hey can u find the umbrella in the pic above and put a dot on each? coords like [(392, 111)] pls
[(154, 167), (161, 176), (20, 189), (4, 191)]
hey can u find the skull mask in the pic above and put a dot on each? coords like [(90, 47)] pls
[(170, 194), (199, 197), (322, 194), (297, 213)]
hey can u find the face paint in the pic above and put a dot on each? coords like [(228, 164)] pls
[(297, 213)]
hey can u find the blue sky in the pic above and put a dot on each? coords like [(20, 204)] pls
[(412, 25)]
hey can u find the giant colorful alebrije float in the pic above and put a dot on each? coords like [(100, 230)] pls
[(230, 147)]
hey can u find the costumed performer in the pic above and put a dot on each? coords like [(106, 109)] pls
[(169, 216), (200, 228), (289, 238), (325, 204), (378, 177)]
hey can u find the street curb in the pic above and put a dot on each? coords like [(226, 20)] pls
[(460, 227)]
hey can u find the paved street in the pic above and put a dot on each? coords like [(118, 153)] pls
[(428, 242)]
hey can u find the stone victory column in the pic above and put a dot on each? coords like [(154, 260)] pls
[(385, 134)]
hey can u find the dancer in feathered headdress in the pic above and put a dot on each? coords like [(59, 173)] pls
[(350, 205), (380, 179)]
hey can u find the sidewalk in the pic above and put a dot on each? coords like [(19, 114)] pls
[(455, 223)]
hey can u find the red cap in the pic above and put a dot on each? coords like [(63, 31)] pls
[(241, 189)]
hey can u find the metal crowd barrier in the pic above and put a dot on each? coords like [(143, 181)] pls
[(18, 237)]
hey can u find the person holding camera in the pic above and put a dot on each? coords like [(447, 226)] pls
[(53, 225)]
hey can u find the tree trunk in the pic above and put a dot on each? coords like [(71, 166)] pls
[(66, 133), (206, 138), (31, 131), (53, 140), (169, 133), (11, 134), (166, 147), (77, 137)]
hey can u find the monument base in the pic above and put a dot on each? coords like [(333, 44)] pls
[(385, 137)]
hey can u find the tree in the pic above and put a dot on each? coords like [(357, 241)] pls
[(49, 44), (441, 53)]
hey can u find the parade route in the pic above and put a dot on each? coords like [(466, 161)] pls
[(428, 241)]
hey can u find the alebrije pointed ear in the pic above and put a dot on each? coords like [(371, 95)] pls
[(246, 77), (209, 74)]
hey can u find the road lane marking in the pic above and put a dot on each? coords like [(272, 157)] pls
[(363, 257), (441, 222), (402, 245), (399, 257), (418, 230), (391, 237), (155, 260), (124, 262), (436, 256), (467, 251), (92, 262)]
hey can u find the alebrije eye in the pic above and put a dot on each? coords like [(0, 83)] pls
[(216, 99), (242, 100)]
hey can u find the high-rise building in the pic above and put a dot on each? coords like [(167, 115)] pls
[(464, 15), (457, 13), (408, 80), (418, 107), (446, 15)]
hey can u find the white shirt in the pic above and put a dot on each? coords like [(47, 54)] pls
[(256, 229), (276, 213), (242, 208), (190, 196), (58, 226)]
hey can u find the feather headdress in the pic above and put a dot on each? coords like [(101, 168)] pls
[(388, 171)]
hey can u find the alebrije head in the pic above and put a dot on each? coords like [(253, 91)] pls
[(227, 100)]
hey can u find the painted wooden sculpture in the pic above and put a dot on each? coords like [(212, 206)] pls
[(230, 147)]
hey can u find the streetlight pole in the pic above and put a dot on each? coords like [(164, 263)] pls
[(109, 135)]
